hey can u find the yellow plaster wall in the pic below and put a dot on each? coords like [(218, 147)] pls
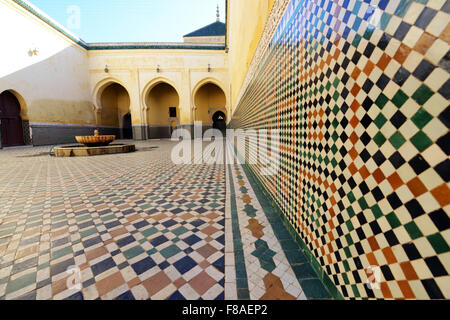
[(245, 25), (208, 97), (137, 71), (54, 84), (159, 100), (115, 101)]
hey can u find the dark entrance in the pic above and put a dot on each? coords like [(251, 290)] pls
[(11, 122), (219, 122), (127, 128)]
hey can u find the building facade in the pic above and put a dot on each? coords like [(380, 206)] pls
[(359, 91), (65, 87)]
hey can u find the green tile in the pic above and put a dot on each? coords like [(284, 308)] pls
[(379, 139), (393, 220), (380, 120), (421, 118), (421, 141), (170, 251), (399, 99), (62, 252), (88, 233), (376, 211), (133, 252), (413, 230), (314, 289), (149, 232), (381, 101), (422, 94), (438, 243), (304, 271), (179, 231), (21, 282), (397, 140)]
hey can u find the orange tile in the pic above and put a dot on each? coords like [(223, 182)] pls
[(406, 289), (156, 283), (417, 187), (364, 172), (384, 61), (402, 53), (442, 194), (378, 175), (389, 255), (424, 43), (98, 252), (395, 181), (445, 35), (202, 282), (408, 271), (109, 283), (134, 282), (387, 294), (373, 243), (118, 232)]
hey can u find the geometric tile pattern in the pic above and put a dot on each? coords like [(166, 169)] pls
[(267, 266), (135, 225), (359, 91)]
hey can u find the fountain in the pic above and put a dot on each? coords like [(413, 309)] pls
[(93, 146)]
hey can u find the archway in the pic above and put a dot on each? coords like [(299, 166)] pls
[(163, 110), (115, 109), (208, 99), (220, 121), (11, 121)]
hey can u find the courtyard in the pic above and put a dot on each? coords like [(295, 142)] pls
[(137, 226)]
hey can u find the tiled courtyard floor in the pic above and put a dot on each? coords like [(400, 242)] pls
[(137, 226)]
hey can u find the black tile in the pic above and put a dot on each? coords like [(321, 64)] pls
[(394, 200), (384, 41), (398, 119), (435, 266), (369, 49), (444, 143), (418, 164), (414, 208), (445, 116), (402, 30), (383, 81), (440, 219), (411, 251), (445, 62), (443, 169), (432, 289), (423, 70), (425, 18), (387, 273), (401, 76)]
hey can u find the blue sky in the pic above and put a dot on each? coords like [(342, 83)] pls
[(133, 20)]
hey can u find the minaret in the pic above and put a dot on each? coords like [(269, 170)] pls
[(218, 14)]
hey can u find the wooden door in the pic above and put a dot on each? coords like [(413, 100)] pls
[(11, 122)]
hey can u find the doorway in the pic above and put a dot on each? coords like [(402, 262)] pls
[(219, 122), (127, 128), (11, 121)]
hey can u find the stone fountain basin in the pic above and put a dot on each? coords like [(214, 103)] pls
[(95, 141)]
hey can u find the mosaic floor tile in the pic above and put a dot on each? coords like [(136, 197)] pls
[(133, 231)]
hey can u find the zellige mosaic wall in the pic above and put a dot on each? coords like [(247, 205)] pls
[(359, 91)]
